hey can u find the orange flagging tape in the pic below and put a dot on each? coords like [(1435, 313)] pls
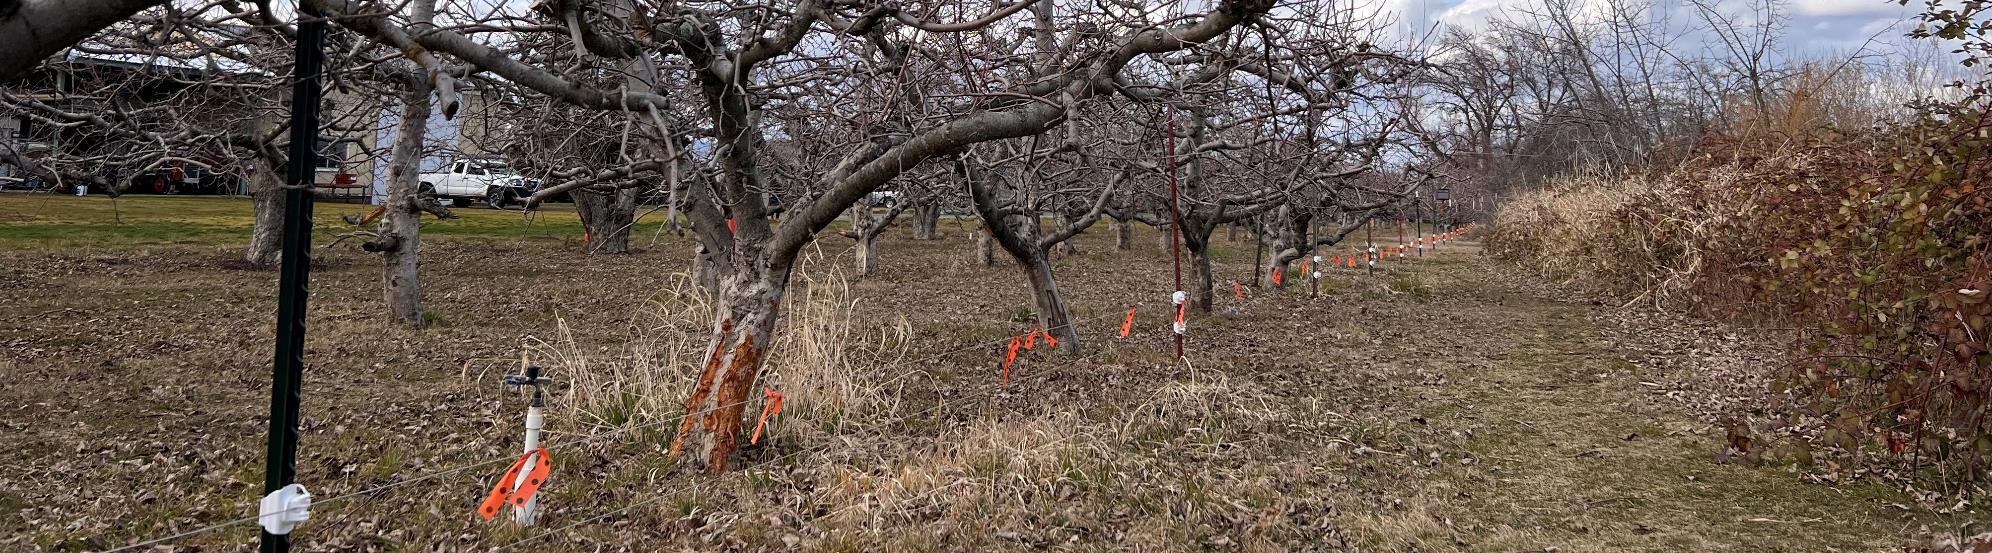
[(1277, 276), (730, 226), (1128, 324), (773, 406), (1238, 289), (1030, 340), (1015, 343), (503, 492), (1049, 340)]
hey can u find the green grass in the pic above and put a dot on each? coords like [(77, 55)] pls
[(41, 221)]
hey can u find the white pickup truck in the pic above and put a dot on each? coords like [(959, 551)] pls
[(487, 180)]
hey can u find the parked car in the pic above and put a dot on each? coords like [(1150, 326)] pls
[(487, 180), (179, 178)]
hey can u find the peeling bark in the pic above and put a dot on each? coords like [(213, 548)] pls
[(1123, 234), (709, 436)]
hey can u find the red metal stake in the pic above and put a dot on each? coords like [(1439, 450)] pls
[(1175, 216)]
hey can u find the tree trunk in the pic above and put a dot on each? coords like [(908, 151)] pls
[(985, 248), (266, 195), (1198, 245), (1063, 248), (743, 328), (401, 225), (927, 220), (606, 218), (1165, 235), (1123, 234), (1290, 240), (1053, 314), (867, 253)]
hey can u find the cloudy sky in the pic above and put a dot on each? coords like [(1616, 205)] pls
[(1813, 27)]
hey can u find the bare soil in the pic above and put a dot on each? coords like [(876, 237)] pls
[(1448, 404)]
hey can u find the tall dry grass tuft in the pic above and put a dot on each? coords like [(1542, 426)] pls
[(827, 365), (641, 381)]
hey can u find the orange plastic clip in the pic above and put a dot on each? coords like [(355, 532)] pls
[(1128, 324), (773, 406), (504, 493)]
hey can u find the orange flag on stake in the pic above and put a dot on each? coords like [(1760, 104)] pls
[(773, 406), (1015, 343), (504, 493), (1127, 325)]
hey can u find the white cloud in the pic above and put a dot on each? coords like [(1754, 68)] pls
[(1835, 8)]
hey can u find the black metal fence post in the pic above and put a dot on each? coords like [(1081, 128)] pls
[(294, 279)]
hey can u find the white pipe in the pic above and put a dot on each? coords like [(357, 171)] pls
[(535, 420)]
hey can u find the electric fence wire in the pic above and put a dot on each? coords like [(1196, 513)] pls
[(571, 442)]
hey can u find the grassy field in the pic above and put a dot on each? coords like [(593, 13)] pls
[(45, 221), (1447, 404)]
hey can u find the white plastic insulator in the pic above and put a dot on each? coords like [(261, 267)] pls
[(1182, 328), (1178, 298), (284, 509), (1372, 250), (1317, 259), (1317, 275)]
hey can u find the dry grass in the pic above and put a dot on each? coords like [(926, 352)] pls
[(829, 367), (1295, 429)]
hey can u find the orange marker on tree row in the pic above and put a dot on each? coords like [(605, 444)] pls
[(504, 493), (773, 406), (1128, 324), (1011, 357)]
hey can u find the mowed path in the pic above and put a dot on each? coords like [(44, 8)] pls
[(1508, 421)]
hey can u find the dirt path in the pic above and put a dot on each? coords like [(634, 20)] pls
[(1524, 428)]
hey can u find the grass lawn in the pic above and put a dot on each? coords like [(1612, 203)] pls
[(48, 221)]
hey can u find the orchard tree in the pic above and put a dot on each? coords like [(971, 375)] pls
[(742, 58)]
